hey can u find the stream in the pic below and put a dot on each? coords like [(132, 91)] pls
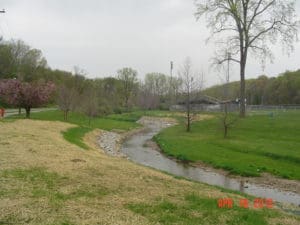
[(136, 149)]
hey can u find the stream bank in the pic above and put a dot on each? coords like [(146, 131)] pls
[(138, 146)]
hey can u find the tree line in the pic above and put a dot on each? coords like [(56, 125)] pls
[(23, 68), (240, 28), (32, 83), (281, 90)]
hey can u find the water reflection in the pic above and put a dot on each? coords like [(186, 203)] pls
[(136, 150)]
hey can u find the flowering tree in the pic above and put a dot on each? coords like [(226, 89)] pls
[(25, 95)]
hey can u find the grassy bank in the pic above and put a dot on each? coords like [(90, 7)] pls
[(75, 134), (122, 122), (46, 180), (257, 144)]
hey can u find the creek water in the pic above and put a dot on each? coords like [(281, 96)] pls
[(137, 150)]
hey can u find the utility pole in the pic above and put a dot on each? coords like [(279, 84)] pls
[(228, 67), (171, 70), (171, 83), (171, 73), (227, 76)]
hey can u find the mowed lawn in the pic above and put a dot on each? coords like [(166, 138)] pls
[(259, 143)]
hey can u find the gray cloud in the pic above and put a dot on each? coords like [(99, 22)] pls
[(102, 36)]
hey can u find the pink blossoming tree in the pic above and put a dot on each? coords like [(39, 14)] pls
[(26, 95)]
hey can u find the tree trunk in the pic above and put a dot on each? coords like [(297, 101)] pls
[(225, 126), (20, 110), (243, 90), (126, 103), (27, 112), (243, 61), (243, 84), (188, 128), (225, 130), (66, 115)]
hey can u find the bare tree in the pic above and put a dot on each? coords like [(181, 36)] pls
[(79, 79), (147, 100), (227, 120), (249, 26), (66, 99), (157, 83), (128, 77), (174, 89), (90, 103), (190, 86)]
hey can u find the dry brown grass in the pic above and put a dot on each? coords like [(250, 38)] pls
[(89, 186)]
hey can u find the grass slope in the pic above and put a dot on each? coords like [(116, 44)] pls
[(259, 143), (46, 180), (75, 134), (125, 121)]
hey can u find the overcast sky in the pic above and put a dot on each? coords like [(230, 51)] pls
[(102, 36)]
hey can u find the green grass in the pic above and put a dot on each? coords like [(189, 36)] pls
[(259, 143), (125, 121), (199, 210), (42, 186), (75, 135), (83, 121), (38, 183)]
